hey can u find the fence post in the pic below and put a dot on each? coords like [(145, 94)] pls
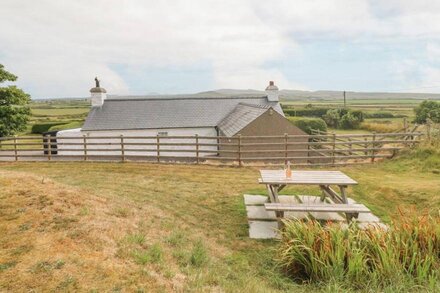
[(350, 146), (405, 124), (366, 146), (49, 147), (158, 148), (373, 146), (286, 136), (85, 147), (334, 148), (197, 148), (122, 149), (15, 148), (239, 150)]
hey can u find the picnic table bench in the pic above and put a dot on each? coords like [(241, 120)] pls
[(276, 180)]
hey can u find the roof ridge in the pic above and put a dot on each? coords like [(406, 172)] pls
[(186, 98), (256, 105)]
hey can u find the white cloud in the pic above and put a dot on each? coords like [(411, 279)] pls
[(62, 45), (57, 47)]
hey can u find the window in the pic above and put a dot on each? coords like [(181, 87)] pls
[(162, 133)]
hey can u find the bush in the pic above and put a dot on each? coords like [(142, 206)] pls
[(307, 124), (343, 118), (407, 253), (427, 109), (349, 121), (332, 118), (40, 128), (359, 115)]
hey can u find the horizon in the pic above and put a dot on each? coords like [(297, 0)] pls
[(137, 47), (112, 95)]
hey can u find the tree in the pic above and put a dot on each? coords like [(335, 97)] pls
[(14, 106), (427, 109)]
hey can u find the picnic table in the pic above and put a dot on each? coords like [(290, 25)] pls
[(276, 180)]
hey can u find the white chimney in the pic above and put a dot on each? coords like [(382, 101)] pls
[(272, 92), (98, 94)]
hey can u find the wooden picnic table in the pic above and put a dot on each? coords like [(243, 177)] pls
[(276, 180)]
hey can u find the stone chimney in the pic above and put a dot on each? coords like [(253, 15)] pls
[(272, 92), (98, 94)]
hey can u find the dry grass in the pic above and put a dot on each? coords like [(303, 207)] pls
[(146, 227), (381, 126), (122, 227)]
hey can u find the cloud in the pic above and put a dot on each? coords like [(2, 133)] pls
[(57, 47), (63, 45)]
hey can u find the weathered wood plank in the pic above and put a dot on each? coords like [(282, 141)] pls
[(306, 177), (342, 208)]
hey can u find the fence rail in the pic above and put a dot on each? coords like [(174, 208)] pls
[(302, 150)]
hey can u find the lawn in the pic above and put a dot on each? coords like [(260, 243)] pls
[(146, 227)]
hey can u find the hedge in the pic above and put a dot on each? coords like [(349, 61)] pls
[(379, 115), (71, 125), (313, 112), (40, 128), (307, 124)]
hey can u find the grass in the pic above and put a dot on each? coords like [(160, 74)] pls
[(405, 255), (139, 226), (59, 111)]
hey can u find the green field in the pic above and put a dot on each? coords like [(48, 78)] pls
[(67, 113), (59, 112), (395, 106)]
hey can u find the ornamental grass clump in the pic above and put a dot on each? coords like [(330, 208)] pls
[(407, 252)]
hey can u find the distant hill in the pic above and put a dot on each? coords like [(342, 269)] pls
[(287, 95)]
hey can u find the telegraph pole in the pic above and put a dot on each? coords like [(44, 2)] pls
[(345, 102)]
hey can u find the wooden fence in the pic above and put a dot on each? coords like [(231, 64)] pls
[(300, 150)]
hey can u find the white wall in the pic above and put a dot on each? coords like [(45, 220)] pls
[(135, 150)]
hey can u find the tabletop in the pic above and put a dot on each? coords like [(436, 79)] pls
[(305, 177)]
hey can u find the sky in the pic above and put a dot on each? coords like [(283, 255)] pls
[(140, 47)]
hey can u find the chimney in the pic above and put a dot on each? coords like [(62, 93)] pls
[(272, 92), (98, 94)]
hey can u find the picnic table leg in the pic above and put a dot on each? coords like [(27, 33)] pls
[(344, 196), (273, 197), (328, 191), (349, 216), (322, 193), (270, 193)]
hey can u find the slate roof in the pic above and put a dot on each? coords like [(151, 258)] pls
[(241, 116), (174, 112)]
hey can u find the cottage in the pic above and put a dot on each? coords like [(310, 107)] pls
[(171, 116)]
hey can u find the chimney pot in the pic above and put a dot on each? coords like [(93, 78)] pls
[(272, 92), (98, 94)]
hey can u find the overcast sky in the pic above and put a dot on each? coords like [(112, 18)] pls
[(138, 47)]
